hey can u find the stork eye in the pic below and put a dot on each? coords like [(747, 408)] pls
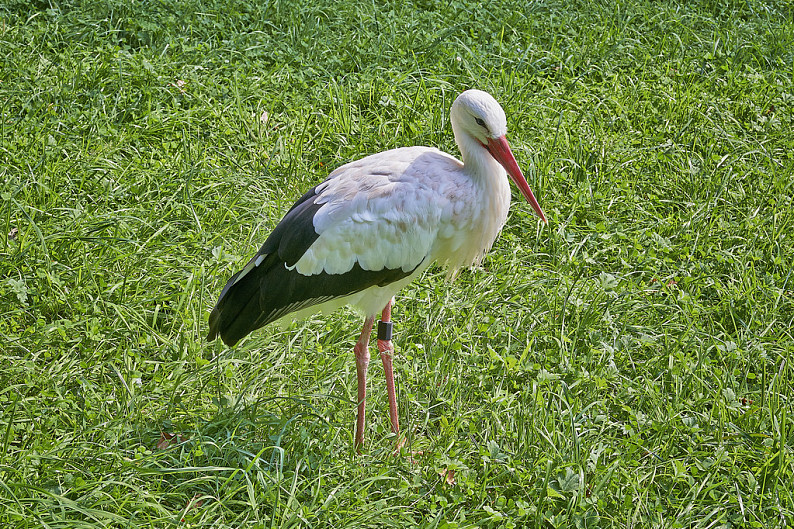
[(480, 122)]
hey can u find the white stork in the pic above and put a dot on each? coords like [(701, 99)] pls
[(372, 227)]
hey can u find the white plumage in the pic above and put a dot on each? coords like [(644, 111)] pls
[(375, 224)]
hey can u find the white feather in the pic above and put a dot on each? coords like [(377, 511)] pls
[(404, 207)]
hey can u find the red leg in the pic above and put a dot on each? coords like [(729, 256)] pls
[(362, 363), (386, 349)]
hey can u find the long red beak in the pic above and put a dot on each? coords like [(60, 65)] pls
[(500, 150)]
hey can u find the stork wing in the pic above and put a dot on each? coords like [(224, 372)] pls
[(372, 222)]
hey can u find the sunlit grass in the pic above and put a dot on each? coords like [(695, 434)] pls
[(627, 366)]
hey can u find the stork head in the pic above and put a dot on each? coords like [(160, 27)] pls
[(475, 115)]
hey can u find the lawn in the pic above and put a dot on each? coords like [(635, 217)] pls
[(629, 365)]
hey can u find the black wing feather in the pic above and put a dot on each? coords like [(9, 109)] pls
[(271, 290)]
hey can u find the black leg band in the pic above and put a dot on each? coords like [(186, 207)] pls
[(384, 330)]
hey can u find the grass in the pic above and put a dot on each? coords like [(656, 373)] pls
[(627, 366)]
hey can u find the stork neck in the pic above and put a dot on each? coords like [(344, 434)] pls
[(477, 161)]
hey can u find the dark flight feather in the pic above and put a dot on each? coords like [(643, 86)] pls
[(272, 290)]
